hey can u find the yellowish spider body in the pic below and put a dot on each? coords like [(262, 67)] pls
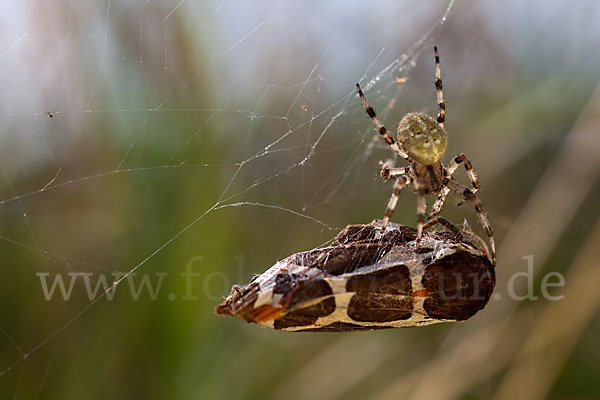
[(422, 138), (422, 142)]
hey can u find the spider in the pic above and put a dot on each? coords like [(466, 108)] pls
[(422, 142)]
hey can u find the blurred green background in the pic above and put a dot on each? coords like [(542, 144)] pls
[(221, 136)]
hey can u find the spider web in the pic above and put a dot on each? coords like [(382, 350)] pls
[(254, 112)]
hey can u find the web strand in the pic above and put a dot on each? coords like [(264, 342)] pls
[(309, 134)]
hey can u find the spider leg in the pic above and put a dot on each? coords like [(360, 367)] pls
[(444, 222), (380, 128), (450, 170), (459, 231), (468, 195), (400, 183), (439, 202), (421, 208), (396, 172), (462, 159), (441, 118), (388, 171)]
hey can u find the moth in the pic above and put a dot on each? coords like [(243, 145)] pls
[(370, 278)]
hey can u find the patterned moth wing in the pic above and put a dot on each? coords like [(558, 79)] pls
[(369, 280)]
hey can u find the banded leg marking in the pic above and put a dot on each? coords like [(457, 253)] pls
[(444, 222), (380, 128), (462, 159), (459, 231), (388, 171), (468, 195), (400, 183), (439, 202), (450, 170), (438, 86)]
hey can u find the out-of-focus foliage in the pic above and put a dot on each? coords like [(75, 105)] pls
[(217, 137)]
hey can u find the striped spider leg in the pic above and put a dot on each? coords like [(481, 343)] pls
[(461, 233), (380, 127), (402, 179), (450, 170), (450, 184), (441, 118), (468, 195)]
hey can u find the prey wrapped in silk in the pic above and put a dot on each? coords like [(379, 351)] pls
[(368, 279)]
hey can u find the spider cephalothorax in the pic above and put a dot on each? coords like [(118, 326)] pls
[(422, 142)]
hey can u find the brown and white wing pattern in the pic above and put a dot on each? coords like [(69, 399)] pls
[(368, 280)]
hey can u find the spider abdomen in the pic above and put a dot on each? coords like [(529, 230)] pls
[(422, 138)]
